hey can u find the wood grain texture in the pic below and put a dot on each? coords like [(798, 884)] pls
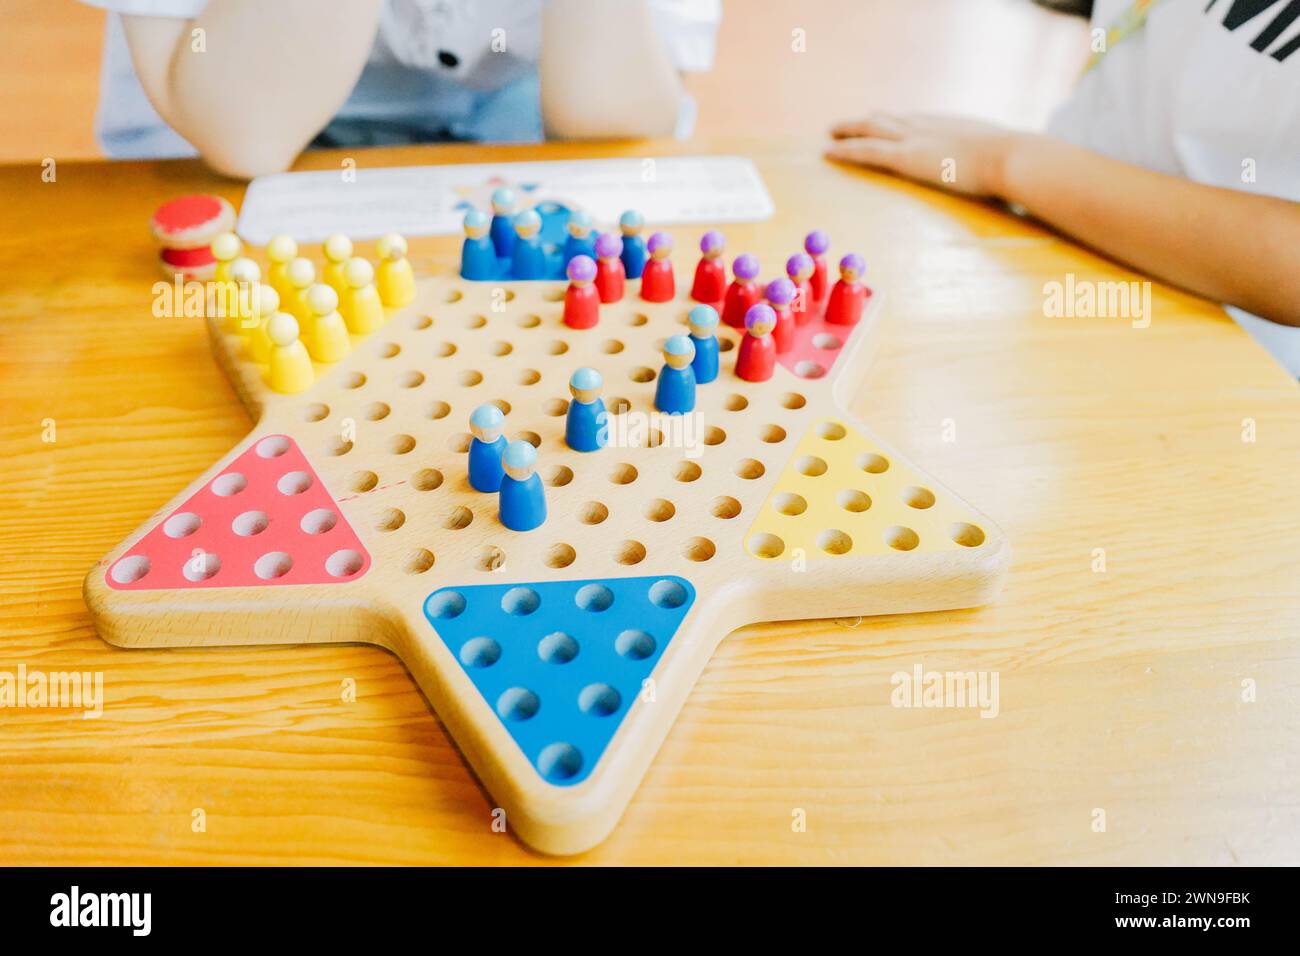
[(50, 57), (1119, 690)]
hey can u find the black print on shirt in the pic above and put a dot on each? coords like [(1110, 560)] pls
[(1241, 12)]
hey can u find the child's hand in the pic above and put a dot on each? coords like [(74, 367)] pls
[(962, 155)]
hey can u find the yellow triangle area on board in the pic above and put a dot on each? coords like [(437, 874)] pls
[(841, 494)]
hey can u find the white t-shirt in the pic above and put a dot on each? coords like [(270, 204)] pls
[(431, 74), (1205, 90)]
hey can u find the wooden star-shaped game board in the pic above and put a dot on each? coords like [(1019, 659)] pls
[(558, 658)]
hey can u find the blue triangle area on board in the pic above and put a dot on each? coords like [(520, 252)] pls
[(561, 662)]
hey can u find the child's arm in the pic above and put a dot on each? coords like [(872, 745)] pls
[(604, 72), (267, 78), (1231, 246)]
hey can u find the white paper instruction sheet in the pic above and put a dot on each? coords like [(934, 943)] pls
[(432, 200)]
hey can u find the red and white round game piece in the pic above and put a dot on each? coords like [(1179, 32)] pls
[(185, 228)]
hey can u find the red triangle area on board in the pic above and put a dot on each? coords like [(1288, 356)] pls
[(817, 343), (267, 519)]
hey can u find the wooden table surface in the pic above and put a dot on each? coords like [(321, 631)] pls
[(1121, 690)]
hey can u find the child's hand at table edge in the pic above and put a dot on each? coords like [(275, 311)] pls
[(961, 155), (1228, 245)]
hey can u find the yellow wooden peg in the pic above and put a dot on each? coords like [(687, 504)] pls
[(327, 335), (301, 274), (290, 369), (245, 276), (359, 302), (281, 250), (266, 304), (338, 250), (395, 278), (225, 249)]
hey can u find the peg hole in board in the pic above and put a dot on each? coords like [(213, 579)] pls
[(427, 479), (248, 524), (419, 561), (789, 503), (667, 594), (687, 471), (831, 431), (363, 481), (724, 506), (272, 447), (490, 558), (458, 519), (630, 552), (480, 652), (559, 762), (699, 549), (764, 545), (130, 569), (834, 541), (560, 555), (316, 521), (811, 466), (850, 499), (272, 565), (915, 496), (182, 524), (623, 474), (660, 509), (201, 567), (872, 463), (901, 538), (344, 563)]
